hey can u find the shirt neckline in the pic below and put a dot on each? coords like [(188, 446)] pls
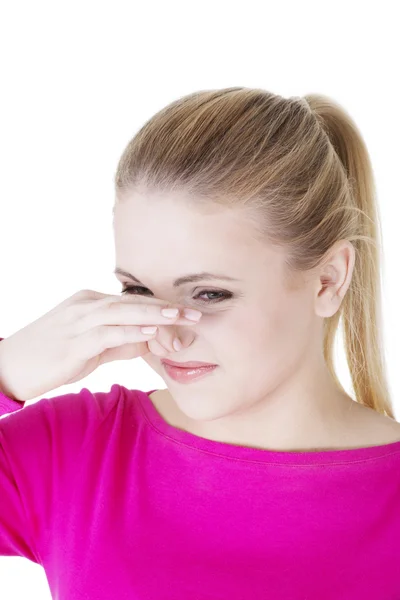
[(250, 454)]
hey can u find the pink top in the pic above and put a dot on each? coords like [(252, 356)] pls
[(115, 503)]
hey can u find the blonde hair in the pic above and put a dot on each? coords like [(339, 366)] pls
[(301, 170)]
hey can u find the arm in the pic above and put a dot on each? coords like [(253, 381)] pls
[(8, 403)]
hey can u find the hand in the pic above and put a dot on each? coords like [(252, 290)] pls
[(77, 336)]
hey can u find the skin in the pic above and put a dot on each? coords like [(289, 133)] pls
[(272, 388)]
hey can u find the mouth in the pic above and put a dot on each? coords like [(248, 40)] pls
[(184, 372), (187, 365)]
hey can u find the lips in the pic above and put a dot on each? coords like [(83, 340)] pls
[(187, 365)]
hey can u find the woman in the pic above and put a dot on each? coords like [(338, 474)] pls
[(257, 476)]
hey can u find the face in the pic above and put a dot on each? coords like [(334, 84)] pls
[(254, 329)]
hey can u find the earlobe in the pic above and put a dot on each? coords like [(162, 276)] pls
[(328, 305)]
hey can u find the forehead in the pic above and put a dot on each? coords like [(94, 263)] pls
[(179, 237), (168, 219)]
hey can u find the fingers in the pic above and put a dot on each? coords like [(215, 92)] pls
[(116, 313), (157, 349), (99, 322), (164, 339)]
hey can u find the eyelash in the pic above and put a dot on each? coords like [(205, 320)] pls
[(130, 289)]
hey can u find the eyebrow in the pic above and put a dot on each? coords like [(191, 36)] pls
[(185, 279)]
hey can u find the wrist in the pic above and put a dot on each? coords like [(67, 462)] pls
[(4, 391)]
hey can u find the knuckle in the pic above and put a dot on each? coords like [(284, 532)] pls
[(145, 310), (81, 294), (128, 329), (86, 295), (149, 309), (109, 305)]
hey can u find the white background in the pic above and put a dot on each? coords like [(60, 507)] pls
[(77, 81)]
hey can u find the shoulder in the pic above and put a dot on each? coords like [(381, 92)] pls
[(68, 420), (373, 428)]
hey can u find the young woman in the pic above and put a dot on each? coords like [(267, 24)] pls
[(254, 474)]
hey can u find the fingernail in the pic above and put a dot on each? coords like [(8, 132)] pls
[(177, 344), (148, 330), (169, 312), (192, 315)]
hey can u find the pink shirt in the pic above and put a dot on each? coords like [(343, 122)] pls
[(115, 503)]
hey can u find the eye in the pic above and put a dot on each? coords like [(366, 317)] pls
[(133, 289), (222, 296)]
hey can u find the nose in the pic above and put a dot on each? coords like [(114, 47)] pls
[(162, 344)]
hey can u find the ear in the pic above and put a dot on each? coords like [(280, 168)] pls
[(334, 278)]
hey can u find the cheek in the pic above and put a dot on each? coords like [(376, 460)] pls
[(258, 353), (278, 336), (241, 335), (269, 333)]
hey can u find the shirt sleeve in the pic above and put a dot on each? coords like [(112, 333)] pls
[(40, 446), (7, 405)]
